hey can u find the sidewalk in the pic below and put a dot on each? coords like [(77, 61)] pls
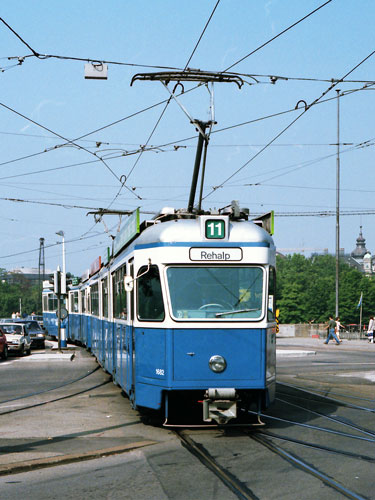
[(90, 419), (303, 346)]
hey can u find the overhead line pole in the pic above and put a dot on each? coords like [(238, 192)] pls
[(338, 203)]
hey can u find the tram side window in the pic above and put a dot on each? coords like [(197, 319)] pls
[(45, 303), (119, 294), (149, 295), (271, 294), (83, 302), (52, 302), (95, 299), (75, 306), (105, 297)]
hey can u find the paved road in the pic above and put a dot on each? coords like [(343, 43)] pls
[(152, 463)]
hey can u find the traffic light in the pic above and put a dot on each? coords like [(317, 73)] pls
[(59, 283), (56, 282)]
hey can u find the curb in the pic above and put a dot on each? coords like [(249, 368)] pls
[(30, 465), (293, 352)]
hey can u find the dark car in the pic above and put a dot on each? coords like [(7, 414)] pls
[(35, 331), (35, 317), (3, 345)]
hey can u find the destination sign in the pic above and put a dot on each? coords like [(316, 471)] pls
[(128, 232), (216, 254)]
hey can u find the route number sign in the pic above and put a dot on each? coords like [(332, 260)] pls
[(215, 229)]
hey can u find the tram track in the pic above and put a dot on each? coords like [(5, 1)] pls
[(60, 398), (305, 467), (38, 393), (264, 438), (328, 399), (314, 446), (325, 392), (233, 483)]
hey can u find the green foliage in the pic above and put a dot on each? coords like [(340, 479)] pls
[(306, 290), (10, 295)]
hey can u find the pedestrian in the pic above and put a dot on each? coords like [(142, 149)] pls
[(370, 329), (13, 315), (331, 328), (337, 328)]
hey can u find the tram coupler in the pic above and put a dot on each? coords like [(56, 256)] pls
[(220, 404)]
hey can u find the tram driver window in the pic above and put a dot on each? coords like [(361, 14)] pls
[(271, 294), (149, 295)]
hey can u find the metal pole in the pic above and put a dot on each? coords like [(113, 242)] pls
[(59, 312), (198, 156), (338, 203), (63, 251), (203, 172)]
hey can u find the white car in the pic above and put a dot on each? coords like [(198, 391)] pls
[(18, 338)]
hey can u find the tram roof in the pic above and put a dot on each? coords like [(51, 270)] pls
[(189, 231)]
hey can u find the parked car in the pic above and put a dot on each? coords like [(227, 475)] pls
[(35, 331), (3, 345), (18, 338)]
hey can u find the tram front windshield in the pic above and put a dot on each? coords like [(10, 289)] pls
[(216, 293)]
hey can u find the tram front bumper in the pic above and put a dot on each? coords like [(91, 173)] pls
[(220, 404)]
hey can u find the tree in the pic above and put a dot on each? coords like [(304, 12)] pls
[(306, 289), (11, 293)]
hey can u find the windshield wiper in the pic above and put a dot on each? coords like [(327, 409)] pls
[(239, 311)]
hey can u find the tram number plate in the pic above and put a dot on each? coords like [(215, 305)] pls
[(159, 371), (215, 229)]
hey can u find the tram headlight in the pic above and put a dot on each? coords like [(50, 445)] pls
[(217, 363)]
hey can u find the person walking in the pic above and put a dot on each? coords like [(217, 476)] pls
[(337, 328), (331, 331), (370, 329)]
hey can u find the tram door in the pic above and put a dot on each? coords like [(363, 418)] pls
[(129, 338)]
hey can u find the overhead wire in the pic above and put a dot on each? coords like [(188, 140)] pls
[(49, 56), (307, 108), (277, 36), (307, 163), (173, 143), (167, 103), (61, 137)]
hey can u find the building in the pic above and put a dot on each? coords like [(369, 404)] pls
[(361, 258), (30, 274)]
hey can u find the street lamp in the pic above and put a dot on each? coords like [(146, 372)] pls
[(61, 233), (62, 341)]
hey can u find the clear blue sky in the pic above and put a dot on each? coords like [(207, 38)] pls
[(296, 174)]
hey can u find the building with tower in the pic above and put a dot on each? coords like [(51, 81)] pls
[(361, 258)]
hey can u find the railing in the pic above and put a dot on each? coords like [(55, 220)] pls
[(318, 330)]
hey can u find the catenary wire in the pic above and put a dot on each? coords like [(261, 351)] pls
[(277, 36), (313, 103), (165, 108)]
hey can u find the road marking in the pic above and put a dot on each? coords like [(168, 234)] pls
[(366, 375)]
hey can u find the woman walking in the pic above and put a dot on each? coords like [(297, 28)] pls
[(370, 329)]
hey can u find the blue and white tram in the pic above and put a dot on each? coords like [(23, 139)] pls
[(49, 303), (184, 315)]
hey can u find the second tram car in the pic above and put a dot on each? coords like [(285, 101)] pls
[(183, 314)]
